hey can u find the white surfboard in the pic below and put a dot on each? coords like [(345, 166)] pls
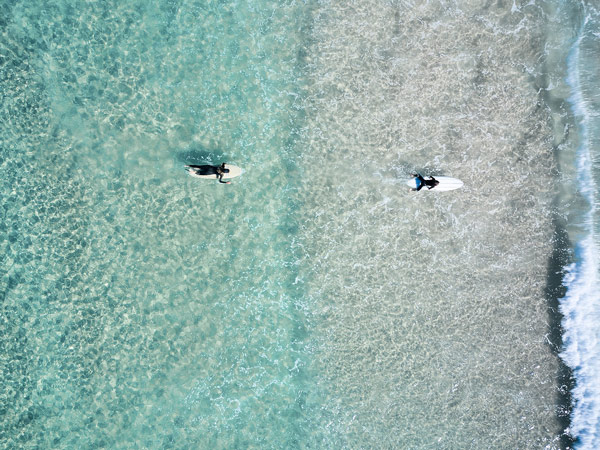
[(446, 184), (234, 171)]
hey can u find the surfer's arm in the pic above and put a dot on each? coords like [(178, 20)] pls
[(220, 177)]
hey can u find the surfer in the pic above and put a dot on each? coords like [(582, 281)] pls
[(219, 171), (431, 183)]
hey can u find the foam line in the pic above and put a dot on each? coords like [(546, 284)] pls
[(581, 304)]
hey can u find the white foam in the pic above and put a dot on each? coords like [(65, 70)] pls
[(581, 305)]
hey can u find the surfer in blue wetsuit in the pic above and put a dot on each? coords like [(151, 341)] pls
[(431, 183), (219, 171)]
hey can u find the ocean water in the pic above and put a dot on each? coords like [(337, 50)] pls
[(315, 302), (142, 308), (581, 303)]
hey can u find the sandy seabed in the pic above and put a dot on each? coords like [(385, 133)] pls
[(434, 321)]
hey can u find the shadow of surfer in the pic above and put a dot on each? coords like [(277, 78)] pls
[(421, 182), (219, 171)]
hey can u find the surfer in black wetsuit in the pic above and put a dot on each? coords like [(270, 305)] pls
[(219, 171), (431, 183)]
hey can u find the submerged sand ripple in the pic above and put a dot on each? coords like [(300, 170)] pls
[(432, 306)]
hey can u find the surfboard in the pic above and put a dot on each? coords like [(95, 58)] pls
[(446, 184), (234, 171)]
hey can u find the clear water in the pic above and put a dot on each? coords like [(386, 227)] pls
[(143, 308), (314, 302)]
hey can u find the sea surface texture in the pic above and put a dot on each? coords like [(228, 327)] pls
[(581, 304), (314, 302)]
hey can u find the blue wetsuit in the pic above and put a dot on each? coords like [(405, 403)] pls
[(423, 182)]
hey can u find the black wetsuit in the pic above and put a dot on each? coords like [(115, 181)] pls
[(205, 170), (219, 171)]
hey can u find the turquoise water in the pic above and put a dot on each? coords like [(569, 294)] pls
[(314, 302), (141, 307)]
